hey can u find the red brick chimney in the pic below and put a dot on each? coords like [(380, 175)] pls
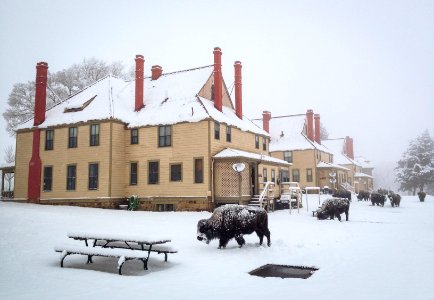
[(156, 72), (40, 93), (238, 90), (310, 131), (218, 78), (349, 151), (266, 117), (317, 128), (35, 164), (140, 62)]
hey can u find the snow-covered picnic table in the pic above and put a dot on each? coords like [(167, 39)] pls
[(124, 247)]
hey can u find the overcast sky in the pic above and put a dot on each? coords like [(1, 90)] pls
[(366, 66)]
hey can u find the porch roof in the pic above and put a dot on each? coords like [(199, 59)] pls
[(235, 153), (325, 165), (362, 175)]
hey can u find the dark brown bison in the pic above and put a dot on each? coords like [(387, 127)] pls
[(395, 199), (378, 199), (342, 194), (333, 208), (363, 195), (233, 221)]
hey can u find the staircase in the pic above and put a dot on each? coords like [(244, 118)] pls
[(265, 199)]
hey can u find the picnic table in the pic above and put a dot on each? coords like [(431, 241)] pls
[(124, 247)]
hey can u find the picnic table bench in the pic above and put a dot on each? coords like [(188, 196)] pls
[(122, 254), (124, 247)]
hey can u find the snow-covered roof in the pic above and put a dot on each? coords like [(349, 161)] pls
[(365, 163), (336, 146), (234, 153), (326, 165), (362, 175), (172, 98), (7, 165), (287, 134)]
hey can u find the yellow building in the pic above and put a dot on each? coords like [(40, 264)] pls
[(172, 139), (356, 179), (296, 139)]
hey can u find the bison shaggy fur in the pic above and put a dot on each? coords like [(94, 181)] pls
[(342, 194), (333, 208), (233, 221), (363, 195), (378, 199), (395, 199)]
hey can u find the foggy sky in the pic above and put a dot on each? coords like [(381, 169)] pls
[(366, 66)]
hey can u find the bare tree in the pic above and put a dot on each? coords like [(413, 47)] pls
[(9, 158), (324, 132), (60, 86)]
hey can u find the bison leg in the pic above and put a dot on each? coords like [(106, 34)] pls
[(223, 242), (338, 216), (240, 240), (261, 236), (346, 214), (267, 234)]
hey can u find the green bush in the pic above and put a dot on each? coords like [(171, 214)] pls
[(133, 202)]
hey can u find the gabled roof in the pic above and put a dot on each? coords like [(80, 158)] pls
[(336, 146), (172, 98), (326, 165), (365, 163), (287, 134), (362, 175), (235, 153)]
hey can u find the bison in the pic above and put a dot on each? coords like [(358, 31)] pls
[(233, 221), (395, 199), (377, 198), (333, 208), (342, 194), (363, 195)]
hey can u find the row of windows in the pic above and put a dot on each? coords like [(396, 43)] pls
[(175, 172), (93, 171), (229, 136), (73, 137), (71, 177), (284, 175)]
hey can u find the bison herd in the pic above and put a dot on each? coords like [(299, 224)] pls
[(233, 221)]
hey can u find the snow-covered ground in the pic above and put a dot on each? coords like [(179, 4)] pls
[(381, 253)]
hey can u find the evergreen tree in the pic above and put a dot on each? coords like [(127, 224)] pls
[(415, 170)]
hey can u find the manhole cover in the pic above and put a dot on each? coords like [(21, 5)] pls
[(283, 271)]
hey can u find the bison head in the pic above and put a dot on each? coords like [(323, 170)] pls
[(322, 215), (204, 231)]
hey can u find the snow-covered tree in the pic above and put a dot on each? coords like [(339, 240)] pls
[(9, 158), (415, 170), (60, 85)]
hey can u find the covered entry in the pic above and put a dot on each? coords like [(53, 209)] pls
[(7, 187), (239, 186)]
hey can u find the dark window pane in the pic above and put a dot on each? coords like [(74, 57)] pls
[(48, 178), (94, 134), (198, 170), (72, 137), (134, 136), (264, 144), (265, 175), (164, 136), (309, 177), (296, 175), (49, 139), (93, 176), (71, 177), (287, 156), (257, 141), (216, 130), (133, 174), (175, 173), (228, 134), (153, 172)]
